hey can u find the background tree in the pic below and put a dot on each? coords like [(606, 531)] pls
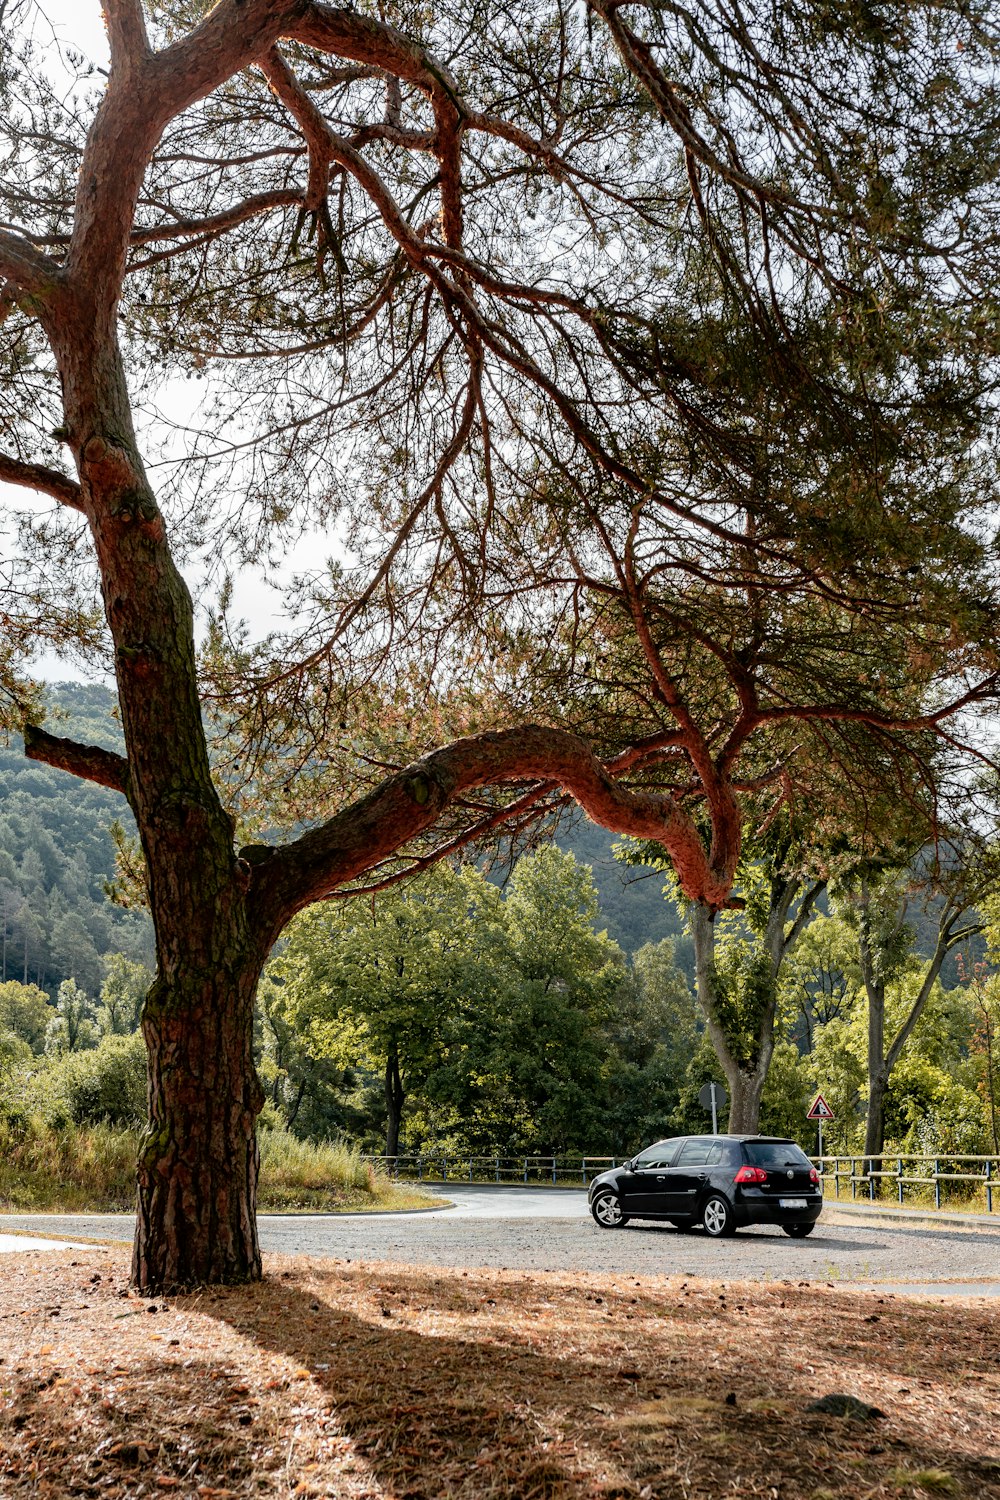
[(558, 997), (651, 1037), (884, 944), (305, 1088), (513, 1024), (394, 982), (72, 1027), (26, 1011), (738, 973), (816, 983), (693, 406), (123, 990)]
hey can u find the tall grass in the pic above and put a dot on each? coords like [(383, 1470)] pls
[(81, 1169), (69, 1170), (300, 1174)]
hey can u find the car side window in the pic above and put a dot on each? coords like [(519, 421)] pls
[(694, 1154), (660, 1155), (714, 1154)]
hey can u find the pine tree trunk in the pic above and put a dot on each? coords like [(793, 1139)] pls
[(197, 1171), (198, 1163)]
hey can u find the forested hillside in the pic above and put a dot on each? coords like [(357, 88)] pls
[(56, 855), (632, 905)]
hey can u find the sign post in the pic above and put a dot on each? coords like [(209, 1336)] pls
[(714, 1097), (819, 1111)]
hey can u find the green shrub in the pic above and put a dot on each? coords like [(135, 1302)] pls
[(107, 1083), (300, 1173)]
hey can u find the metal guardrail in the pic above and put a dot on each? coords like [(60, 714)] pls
[(854, 1172), (439, 1167), (860, 1172)]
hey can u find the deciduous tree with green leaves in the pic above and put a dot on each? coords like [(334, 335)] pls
[(395, 983), (26, 1011)]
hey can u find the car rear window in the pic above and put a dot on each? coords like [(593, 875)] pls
[(774, 1154)]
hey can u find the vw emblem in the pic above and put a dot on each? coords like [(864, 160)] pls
[(789, 1173)]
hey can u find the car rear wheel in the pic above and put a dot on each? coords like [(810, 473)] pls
[(717, 1217), (798, 1231), (607, 1211)]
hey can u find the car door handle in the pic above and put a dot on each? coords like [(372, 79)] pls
[(700, 1176), (661, 1179)]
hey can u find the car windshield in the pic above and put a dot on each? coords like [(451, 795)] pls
[(775, 1154)]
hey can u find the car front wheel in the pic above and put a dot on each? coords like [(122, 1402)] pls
[(717, 1217), (798, 1231), (607, 1211)]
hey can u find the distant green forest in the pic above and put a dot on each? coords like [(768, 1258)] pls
[(57, 854)]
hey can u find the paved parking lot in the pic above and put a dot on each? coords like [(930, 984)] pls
[(550, 1230)]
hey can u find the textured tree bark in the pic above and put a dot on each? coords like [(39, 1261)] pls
[(747, 1088), (878, 1073), (878, 1083), (198, 1162)]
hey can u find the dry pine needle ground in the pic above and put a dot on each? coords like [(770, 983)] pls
[(338, 1379)]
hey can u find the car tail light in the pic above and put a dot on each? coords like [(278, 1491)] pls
[(751, 1174), (814, 1176)]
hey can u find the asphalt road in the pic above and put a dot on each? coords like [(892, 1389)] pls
[(550, 1230)]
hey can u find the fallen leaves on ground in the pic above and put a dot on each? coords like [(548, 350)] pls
[(373, 1381)]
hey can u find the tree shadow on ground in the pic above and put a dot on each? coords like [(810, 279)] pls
[(490, 1401), (376, 1382)]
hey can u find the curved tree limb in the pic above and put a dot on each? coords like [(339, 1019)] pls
[(41, 477), (91, 762), (409, 802), (126, 27), (21, 263)]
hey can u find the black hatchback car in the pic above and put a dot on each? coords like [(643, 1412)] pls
[(722, 1182)]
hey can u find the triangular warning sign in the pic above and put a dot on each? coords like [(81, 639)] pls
[(819, 1109)]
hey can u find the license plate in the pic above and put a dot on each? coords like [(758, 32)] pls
[(792, 1202)]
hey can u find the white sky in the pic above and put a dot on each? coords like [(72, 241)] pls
[(76, 22), (79, 24)]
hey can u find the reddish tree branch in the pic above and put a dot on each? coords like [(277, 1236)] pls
[(409, 802), (22, 264), (40, 477), (310, 121), (90, 762), (126, 28)]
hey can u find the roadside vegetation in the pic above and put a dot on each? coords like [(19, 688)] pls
[(459, 1017), (91, 1169)]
